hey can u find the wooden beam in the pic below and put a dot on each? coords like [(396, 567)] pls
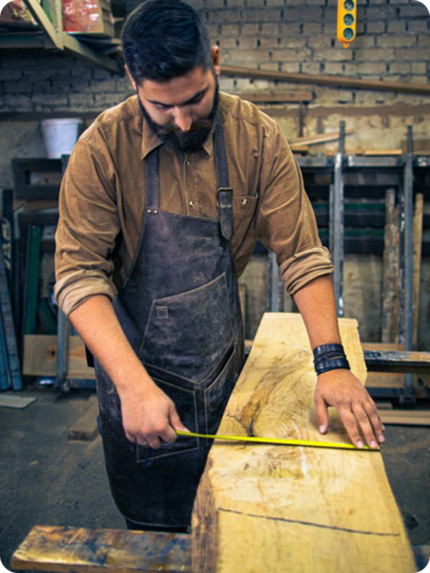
[(78, 550), (406, 417), (397, 361), (277, 97), (279, 508), (333, 81), (319, 138), (85, 428), (417, 248), (40, 357)]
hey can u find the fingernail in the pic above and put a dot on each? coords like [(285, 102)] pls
[(321, 429), (381, 438), (360, 445), (373, 444)]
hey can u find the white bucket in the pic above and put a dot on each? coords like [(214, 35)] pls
[(60, 135)]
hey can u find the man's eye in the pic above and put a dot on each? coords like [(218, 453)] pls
[(197, 100), (162, 107)]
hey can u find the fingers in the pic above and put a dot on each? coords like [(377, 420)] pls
[(356, 408), (322, 413), (175, 420), (161, 431), (363, 417)]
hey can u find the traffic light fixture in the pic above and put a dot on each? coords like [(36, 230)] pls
[(346, 21)]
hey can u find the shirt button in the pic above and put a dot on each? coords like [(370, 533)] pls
[(187, 162), (191, 203)]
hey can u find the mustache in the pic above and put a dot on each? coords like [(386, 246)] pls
[(195, 126)]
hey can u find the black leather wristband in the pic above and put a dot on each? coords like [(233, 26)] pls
[(328, 365), (326, 348)]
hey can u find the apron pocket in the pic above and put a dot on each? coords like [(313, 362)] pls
[(186, 404), (189, 333)]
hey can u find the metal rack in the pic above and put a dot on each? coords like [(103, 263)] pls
[(336, 169), (52, 37)]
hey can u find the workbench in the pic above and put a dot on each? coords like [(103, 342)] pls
[(262, 507)]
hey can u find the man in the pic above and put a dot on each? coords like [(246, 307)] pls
[(161, 205)]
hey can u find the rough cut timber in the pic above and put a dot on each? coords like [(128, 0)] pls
[(79, 550), (280, 508)]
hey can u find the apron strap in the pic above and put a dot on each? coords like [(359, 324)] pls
[(152, 182), (225, 192)]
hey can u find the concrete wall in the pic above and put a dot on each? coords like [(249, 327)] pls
[(297, 36)]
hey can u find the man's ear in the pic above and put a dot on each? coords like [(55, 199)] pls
[(216, 59), (130, 77)]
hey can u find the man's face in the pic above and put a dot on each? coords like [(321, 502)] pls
[(181, 111)]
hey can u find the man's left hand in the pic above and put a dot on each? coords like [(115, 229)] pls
[(357, 410)]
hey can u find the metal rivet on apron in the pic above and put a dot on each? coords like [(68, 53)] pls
[(244, 201), (155, 211), (191, 203), (149, 210)]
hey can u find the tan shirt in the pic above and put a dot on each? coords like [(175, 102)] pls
[(103, 196)]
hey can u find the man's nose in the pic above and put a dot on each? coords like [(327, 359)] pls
[(183, 118)]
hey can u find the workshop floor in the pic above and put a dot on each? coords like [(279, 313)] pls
[(45, 479)]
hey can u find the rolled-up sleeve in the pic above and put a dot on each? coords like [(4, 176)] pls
[(88, 225), (286, 222)]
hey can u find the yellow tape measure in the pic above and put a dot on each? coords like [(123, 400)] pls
[(280, 441)]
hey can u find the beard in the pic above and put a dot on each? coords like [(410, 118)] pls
[(185, 141)]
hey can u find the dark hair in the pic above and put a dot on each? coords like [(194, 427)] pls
[(164, 39)]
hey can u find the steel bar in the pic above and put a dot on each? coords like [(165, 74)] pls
[(407, 316), (337, 222), (62, 350), (14, 371), (273, 283), (32, 279)]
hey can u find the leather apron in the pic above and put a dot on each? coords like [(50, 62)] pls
[(179, 308)]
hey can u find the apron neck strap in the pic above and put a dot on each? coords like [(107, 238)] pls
[(224, 191)]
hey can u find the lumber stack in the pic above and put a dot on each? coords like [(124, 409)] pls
[(284, 508)]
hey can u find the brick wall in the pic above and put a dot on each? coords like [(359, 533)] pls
[(393, 43), (296, 36)]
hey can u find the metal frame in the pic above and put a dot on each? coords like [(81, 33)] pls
[(337, 222), (53, 37), (406, 261)]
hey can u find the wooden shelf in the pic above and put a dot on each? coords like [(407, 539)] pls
[(52, 37)]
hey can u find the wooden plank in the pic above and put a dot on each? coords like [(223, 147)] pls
[(397, 361), (406, 417), (277, 97), (319, 138), (78, 550), (377, 152), (417, 248), (320, 79), (85, 428), (391, 271), (280, 508), (40, 357), (384, 379)]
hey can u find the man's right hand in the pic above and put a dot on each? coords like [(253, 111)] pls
[(149, 416)]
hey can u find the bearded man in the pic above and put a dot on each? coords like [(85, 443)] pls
[(161, 205)]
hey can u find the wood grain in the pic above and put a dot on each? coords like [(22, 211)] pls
[(40, 357), (79, 550), (280, 508)]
